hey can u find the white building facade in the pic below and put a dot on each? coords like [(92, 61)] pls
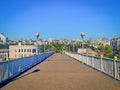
[(3, 39), (19, 51)]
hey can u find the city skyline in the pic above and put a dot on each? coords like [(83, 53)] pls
[(58, 19)]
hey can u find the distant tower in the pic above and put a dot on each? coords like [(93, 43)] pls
[(37, 35), (82, 35)]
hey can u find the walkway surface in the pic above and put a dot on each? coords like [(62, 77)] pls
[(61, 72)]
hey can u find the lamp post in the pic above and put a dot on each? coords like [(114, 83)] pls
[(82, 35), (73, 46), (37, 36), (44, 41)]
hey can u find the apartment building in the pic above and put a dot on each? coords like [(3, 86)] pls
[(115, 43), (19, 51)]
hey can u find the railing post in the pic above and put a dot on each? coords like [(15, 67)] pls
[(37, 59), (101, 63), (8, 69), (82, 58), (115, 68), (87, 59), (92, 62)]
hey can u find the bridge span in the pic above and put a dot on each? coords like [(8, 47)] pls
[(61, 72)]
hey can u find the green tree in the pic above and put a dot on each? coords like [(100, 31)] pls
[(119, 52), (108, 50), (101, 48), (59, 47)]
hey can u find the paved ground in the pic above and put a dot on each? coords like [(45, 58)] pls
[(60, 72)]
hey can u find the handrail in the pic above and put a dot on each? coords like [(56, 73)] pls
[(12, 68), (110, 67)]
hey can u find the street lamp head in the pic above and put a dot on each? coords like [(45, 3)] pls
[(82, 34), (37, 34)]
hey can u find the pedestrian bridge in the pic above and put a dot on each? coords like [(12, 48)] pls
[(62, 72)]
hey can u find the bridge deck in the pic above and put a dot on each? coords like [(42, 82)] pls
[(61, 72)]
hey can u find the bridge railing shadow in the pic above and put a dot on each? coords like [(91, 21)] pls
[(35, 71), (13, 68)]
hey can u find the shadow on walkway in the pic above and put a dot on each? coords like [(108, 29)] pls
[(17, 77), (35, 71)]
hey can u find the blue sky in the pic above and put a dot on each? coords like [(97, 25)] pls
[(21, 19)]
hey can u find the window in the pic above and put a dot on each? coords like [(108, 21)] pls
[(19, 50), (33, 50), (15, 50), (24, 50), (27, 50)]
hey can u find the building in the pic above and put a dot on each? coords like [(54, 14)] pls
[(49, 40), (4, 54), (19, 51), (3, 39), (104, 41), (115, 43)]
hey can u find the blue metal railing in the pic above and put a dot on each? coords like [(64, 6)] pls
[(12, 68)]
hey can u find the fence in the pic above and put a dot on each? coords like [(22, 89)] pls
[(108, 66), (12, 68)]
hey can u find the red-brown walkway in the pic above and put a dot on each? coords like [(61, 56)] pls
[(61, 72)]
